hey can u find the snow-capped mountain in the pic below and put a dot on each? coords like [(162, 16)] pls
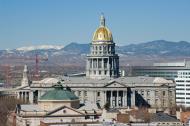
[(40, 47), (157, 48)]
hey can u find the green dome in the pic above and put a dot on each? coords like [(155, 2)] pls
[(59, 93)]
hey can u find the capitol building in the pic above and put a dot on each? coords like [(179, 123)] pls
[(102, 83)]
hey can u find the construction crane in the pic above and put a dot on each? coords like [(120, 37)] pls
[(37, 60), (7, 68)]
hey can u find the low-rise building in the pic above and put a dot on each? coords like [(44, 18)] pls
[(59, 104)]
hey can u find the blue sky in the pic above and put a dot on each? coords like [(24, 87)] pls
[(59, 22)]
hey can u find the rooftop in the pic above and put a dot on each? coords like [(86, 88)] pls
[(59, 93), (162, 117), (127, 81)]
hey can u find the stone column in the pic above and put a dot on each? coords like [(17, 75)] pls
[(111, 99), (87, 62), (96, 64), (105, 97), (108, 63), (18, 95), (92, 63), (117, 99), (103, 63), (152, 97), (123, 99), (126, 99), (133, 98), (31, 95)]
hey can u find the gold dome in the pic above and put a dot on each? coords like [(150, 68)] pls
[(102, 34)]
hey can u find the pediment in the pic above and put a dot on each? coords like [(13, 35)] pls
[(114, 84), (23, 88), (163, 85), (65, 111)]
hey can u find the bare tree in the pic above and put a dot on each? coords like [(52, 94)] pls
[(7, 104)]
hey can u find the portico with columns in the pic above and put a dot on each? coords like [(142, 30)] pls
[(119, 95), (116, 98)]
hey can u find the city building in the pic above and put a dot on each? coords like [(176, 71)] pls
[(183, 88), (102, 83), (166, 70)]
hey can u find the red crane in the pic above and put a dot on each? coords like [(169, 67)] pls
[(37, 60), (7, 68)]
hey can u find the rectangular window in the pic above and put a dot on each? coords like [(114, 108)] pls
[(85, 93), (180, 97), (180, 89), (98, 94), (180, 93), (148, 101), (90, 63), (142, 93), (99, 63), (156, 101), (164, 93), (105, 72), (94, 63), (156, 93), (148, 93), (100, 72), (79, 93), (105, 62)]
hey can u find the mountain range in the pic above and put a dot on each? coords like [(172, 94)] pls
[(152, 48)]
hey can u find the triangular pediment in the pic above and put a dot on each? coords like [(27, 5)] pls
[(23, 88), (163, 85), (65, 111), (114, 84)]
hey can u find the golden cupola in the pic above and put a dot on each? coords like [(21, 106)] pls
[(102, 34)]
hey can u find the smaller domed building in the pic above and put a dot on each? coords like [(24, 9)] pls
[(59, 104), (58, 97)]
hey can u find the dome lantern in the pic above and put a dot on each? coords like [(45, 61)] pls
[(102, 33), (102, 20)]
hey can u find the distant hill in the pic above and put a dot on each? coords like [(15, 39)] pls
[(153, 48), (158, 47), (77, 48)]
